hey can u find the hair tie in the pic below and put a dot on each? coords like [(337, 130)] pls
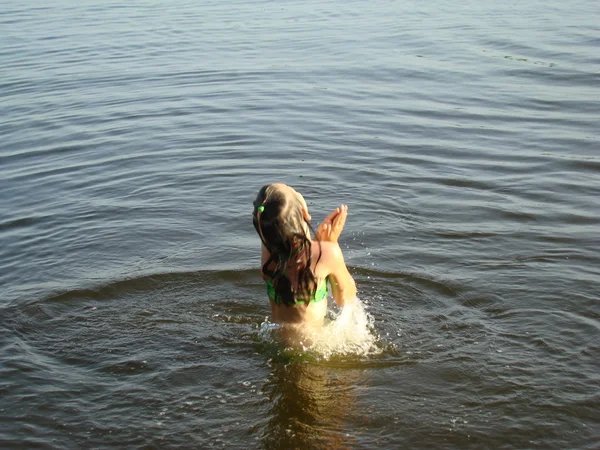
[(260, 209)]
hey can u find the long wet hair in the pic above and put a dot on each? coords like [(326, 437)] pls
[(280, 223)]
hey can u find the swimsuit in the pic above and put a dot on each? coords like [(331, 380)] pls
[(319, 295)]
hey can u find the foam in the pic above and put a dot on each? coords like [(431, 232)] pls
[(349, 331)]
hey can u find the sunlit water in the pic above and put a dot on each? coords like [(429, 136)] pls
[(349, 331), (463, 137)]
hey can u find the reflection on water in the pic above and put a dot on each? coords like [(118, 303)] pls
[(309, 405), (311, 396)]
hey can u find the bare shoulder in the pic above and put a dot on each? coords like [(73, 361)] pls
[(333, 266), (330, 255), (331, 249)]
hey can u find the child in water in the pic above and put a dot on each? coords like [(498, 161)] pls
[(295, 266)]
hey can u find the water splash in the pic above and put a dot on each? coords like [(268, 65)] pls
[(349, 331)]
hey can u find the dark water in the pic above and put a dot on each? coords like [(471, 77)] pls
[(463, 137)]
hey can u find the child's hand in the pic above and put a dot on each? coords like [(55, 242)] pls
[(331, 228)]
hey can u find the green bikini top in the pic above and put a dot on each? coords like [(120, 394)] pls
[(319, 295)]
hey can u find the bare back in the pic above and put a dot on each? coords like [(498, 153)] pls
[(326, 264)]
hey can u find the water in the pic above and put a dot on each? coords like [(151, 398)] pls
[(464, 139)]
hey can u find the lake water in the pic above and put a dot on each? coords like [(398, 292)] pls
[(462, 135)]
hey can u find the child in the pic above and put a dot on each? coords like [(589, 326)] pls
[(295, 267)]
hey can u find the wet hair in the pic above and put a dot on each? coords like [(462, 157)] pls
[(280, 223)]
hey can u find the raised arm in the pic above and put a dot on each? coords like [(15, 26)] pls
[(328, 232), (342, 284)]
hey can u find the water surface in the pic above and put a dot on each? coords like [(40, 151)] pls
[(464, 140)]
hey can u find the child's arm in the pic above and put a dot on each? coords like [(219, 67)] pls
[(343, 285)]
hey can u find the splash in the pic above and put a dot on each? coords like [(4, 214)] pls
[(349, 331)]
